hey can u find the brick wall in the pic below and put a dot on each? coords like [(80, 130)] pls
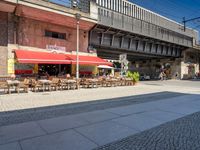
[(11, 29), (3, 60), (3, 42), (32, 33), (3, 29)]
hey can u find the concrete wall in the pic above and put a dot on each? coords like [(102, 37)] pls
[(190, 64), (153, 67), (185, 67), (32, 33)]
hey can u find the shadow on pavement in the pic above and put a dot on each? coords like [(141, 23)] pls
[(40, 113)]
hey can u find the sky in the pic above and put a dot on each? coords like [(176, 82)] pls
[(174, 9)]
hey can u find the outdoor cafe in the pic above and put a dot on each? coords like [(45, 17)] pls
[(43, 71)]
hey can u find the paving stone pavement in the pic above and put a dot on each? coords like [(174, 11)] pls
[(89, 130), (134, 122), (181, 134), (30, 100), (20, 116)]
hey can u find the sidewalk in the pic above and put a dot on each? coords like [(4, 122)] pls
[(90, 130), (89, 118), (43, 99)]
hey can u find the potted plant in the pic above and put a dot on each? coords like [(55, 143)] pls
[(135, 76)]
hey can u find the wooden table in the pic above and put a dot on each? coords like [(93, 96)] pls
[(45, 83), (68, 82), (114, 82), (93, 82), (13, 83)]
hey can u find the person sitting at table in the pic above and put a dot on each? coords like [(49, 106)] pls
[(13, 76), (68, 76), (47, 75)]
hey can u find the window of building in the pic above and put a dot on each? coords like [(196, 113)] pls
[(56, 35)]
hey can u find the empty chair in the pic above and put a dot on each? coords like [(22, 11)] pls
[(24, 85), (35, 85)]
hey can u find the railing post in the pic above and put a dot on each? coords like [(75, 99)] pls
[(112, 18)]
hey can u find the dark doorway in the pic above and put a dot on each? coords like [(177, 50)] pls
[(54, 69)]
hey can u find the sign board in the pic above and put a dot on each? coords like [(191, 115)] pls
[(124, 63), (123, 57), (55, 48), (11, 63)]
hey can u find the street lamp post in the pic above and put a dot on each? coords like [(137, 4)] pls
[(78, 16)]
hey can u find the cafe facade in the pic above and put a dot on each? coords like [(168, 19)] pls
[(40, 41)]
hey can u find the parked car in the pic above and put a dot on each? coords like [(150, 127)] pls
[(144, 77)]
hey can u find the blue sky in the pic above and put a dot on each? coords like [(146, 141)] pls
[(174, 9)]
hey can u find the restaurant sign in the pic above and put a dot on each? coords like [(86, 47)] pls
[(55, 48)]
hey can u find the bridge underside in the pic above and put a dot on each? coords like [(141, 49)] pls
[(113, 54), (110, 43)]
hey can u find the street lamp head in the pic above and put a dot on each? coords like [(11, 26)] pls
[(78, 16)]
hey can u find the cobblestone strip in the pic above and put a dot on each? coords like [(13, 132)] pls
[(181, 134)]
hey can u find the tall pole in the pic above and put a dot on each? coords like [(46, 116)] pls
[(77, 51), (78, 16)]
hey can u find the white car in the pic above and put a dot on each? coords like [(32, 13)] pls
[(144, 77)]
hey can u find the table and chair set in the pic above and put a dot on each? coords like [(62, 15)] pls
[(55, 83), (34, 85), (105, 82)]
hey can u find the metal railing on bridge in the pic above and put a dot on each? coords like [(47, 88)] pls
[(130, 24)]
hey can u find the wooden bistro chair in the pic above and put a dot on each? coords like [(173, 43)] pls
[(63, 84), (24, 85), (122, 82), (72, 83), (107, 82), (4, 86), (55, 84), (128, 81), (85, 83), (100, 82), (35, 85)]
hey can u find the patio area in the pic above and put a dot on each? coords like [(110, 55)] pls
[(92, 119)]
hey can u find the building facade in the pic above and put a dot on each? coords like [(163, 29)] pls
[(42, 26)]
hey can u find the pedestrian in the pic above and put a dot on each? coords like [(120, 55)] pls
[(161, 76), (176, 76)]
